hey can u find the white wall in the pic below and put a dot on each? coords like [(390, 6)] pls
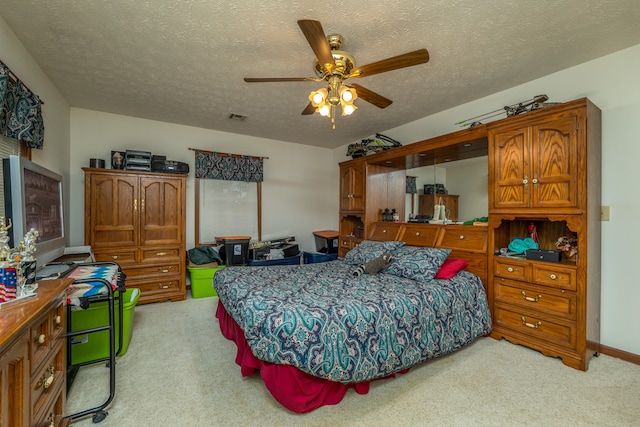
[(299, 192), (611, 82), (55, 110)]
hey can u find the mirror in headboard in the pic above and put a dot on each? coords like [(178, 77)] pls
[(452, 165)]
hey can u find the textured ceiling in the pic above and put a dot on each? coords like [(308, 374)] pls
[(184, 61)]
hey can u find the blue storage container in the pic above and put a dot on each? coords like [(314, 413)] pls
[(315, 257), (292, 260)]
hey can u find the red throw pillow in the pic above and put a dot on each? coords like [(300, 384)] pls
[(450, 268)]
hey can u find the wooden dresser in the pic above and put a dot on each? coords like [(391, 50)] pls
[(33, 358), (544, 171), (137, 219)]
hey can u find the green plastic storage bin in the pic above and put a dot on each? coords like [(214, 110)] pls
[(93, 346), (202, 281)]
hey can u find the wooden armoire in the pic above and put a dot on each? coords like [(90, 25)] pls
[(545, 175), (137, 219)]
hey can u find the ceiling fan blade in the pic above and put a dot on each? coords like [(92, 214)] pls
[(314, 33), (370, 96), (278, 79), (410, 59), (310, 109)]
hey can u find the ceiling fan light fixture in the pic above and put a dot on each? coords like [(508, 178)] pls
[(348, 94), (318, 97), (324, 110), (348, 109)]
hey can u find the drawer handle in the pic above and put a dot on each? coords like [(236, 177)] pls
[(165, 270), (161, 253), (531, 299), (42, 338), (52, 419), (384, 231), (461, 237), (47, 377), (418, 233), (167, 286), (511, 269), (530, 325), (554, 276), (57, 319), (114, 257)]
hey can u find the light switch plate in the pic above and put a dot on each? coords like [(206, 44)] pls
[(605, 213)]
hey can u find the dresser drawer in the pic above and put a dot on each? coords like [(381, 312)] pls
[(121, 256), (146, 271), (160, 254), (554, 276), (384, 231), (57, 317), (156, 285), (47, 381), (465, 238), (549, 329), (511, 268), (420, 235), (536, 298), (41, 341), (54, 415), (347, 243)]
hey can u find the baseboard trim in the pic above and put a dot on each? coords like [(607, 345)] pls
[(620, 354)]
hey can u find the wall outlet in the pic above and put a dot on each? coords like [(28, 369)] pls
[(605, 213)]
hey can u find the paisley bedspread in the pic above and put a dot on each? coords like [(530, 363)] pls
[(332, 325)]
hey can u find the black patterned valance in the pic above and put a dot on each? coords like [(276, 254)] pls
[(411, 185), (211, 165), (20, 110)]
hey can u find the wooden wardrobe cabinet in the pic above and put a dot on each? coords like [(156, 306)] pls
[(33, 358), (365, 191), (137, 219), (545, 171)]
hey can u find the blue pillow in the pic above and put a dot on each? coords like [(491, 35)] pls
[(417, 263), (368, 250)]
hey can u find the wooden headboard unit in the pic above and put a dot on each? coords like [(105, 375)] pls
[(465, 241)]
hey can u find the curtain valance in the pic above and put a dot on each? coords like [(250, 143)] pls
[(20, 110), (212, 165)]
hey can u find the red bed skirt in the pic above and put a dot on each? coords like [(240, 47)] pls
[(295, 390)]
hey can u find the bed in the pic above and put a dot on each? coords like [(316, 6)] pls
[(313, 331)]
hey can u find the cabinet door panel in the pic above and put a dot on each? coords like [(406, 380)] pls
[(162, 211), (554, 164), (511, 169), (352, 188), (114, 204), (14, 383)]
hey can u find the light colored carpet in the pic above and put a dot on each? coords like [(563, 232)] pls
[(180, 371)]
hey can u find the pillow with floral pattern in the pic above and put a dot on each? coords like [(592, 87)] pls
[(417, 263)]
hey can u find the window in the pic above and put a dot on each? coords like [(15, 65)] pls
[(227, 208)]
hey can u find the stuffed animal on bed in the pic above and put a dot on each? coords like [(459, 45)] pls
[(375, 265)]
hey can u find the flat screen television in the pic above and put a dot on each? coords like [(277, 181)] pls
[(33, 199)]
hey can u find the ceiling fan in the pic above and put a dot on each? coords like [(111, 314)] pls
[(335, 66)]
